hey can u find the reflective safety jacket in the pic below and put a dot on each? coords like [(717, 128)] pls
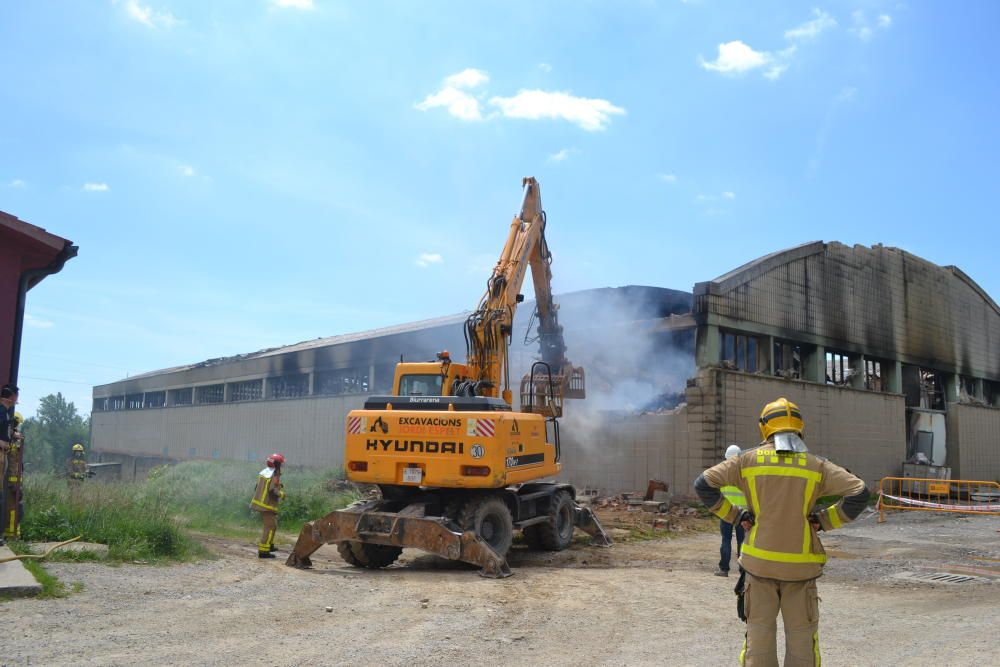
[(268, 493), (734, 496), (783, 488), (77, 468)]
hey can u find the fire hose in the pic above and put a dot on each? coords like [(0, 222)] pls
[(40, 556)]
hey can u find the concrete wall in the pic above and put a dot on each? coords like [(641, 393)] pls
[(863, 431), (617, 451), (308, 431), (974, 442)]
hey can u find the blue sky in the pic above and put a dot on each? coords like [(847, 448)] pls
[(246, 174)]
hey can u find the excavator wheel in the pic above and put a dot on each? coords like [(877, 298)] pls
[(489, 518), (557, 533), (371, 556)]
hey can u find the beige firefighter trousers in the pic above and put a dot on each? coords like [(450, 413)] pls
[(798, 603), (267, 537)]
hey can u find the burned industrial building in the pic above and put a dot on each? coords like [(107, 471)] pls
[(890, 357)]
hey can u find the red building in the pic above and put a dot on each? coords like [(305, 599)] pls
[(27, 255)]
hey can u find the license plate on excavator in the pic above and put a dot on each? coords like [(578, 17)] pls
[(413, 475)]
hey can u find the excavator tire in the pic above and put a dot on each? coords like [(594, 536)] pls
[(371, 556), (557, 533), (489, 518)]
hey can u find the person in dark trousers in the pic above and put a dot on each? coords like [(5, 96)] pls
[(782, 555), (735, 496)]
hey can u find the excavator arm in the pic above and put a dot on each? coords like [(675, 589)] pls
[(488, 330)]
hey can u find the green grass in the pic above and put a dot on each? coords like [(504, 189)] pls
[(151, 521), (51, 586)]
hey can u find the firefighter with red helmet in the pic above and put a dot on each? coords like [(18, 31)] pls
[(265, 501)]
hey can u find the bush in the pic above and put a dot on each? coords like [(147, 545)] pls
[(146, 521)]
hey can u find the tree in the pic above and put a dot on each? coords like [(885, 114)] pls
[(49, 436)]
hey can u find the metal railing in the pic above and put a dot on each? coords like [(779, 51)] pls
[(938, 495)]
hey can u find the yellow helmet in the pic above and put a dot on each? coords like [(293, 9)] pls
[(77, 447), (780, 416), (18, 419)]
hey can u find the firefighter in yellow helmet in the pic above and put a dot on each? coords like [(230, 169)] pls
[(76, 465), (782, 556), (12, 481), (266, 497)]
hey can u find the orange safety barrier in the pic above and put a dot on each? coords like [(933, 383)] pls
[(938, 495)]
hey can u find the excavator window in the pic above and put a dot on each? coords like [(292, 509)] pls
[(420, 385)]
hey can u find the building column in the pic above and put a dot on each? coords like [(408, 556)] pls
[(312, 382), (893, 372), (708, 350), (858, 366), (815, 365), (226, 392), (770, 355), (951, 384), (371, 378), (980, 395)]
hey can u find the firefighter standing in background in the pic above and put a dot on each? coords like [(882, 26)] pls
[(13, 480), (735, 497), (782, 555), (265, 501), (76, 465)]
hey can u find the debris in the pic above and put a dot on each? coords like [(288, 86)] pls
[(654, 486), (329, 610)]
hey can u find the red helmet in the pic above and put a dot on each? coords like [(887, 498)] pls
[(275, 459)]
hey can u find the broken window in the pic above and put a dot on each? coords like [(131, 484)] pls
[(873, 375), (133, 401), (249, 390), (931, 389), (155, 399), (838, 368), (210, 393), (787, 360), (183, 396), (288, 386), (966, 388), (116, 403), (342, 381), (991, 393), (100, 404), (740, 351), (384, 375)]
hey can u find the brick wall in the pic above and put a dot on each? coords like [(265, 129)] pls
[(973, 442)]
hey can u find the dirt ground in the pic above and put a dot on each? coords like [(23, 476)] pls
[(649, 602)]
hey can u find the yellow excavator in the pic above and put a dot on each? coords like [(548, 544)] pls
[(459, 470)]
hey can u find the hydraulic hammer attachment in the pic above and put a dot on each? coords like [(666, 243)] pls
[(408, 528)]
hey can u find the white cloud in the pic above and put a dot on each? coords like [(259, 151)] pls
[(729, 195), (591, 114), (428, 258), (562, 155), (187, 170), (95, 187), (545, 67), (667, 178), (458, 102), (775, 71), (467, 78), (863, 30), (32, 321), (293, 4), (149, 16), (16, 183), (735, 58), (813, 28)]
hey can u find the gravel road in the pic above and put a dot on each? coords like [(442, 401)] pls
[(642, 603)]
